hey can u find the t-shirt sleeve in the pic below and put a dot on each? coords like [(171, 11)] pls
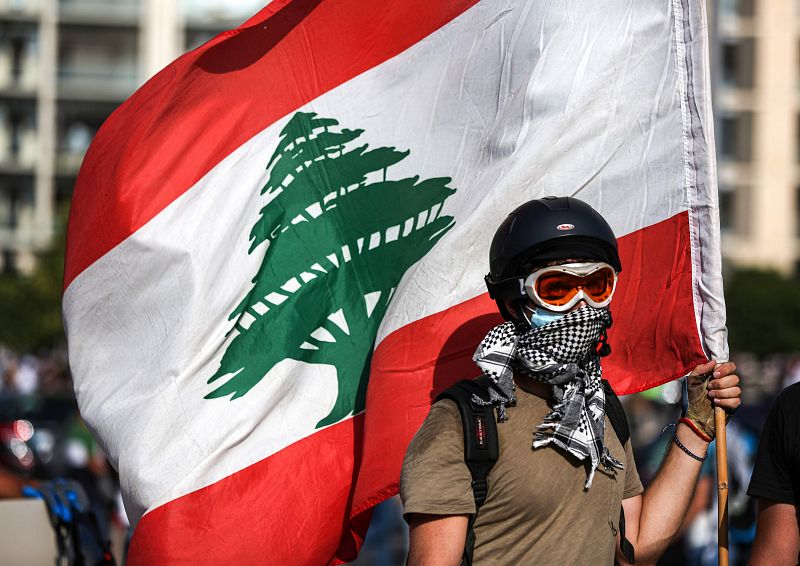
[(435, 480), (633, 485), (772, 476)]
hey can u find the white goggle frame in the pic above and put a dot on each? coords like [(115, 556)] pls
[(579, 269)]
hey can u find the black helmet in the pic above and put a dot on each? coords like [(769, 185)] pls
[(545, 229)]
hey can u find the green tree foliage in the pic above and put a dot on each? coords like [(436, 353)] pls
[(30, 305), (339, 235), (763, 312)]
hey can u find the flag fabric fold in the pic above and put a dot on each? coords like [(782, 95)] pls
[(277, 245)]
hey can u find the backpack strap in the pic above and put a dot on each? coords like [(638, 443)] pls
[(616, 414), (481, 447), (619, 422)]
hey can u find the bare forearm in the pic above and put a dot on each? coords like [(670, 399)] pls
[(667, 499), (777, 535)]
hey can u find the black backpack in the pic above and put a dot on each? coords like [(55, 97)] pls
[(481, 447)]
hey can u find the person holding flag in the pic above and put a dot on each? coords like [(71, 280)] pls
[(574, 495)]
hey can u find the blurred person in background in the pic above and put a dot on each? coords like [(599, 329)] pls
[(87, 464), (44, 443), (387, 538), (26, 379), (776, 484), (700, 539), (792, 372), (696, 544)]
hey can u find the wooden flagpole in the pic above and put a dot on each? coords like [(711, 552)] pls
[(722, 486)]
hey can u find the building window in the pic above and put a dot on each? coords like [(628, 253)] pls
[(97, 62), (76, 124), (18, 52), (220, 11), (726, 202), (9, 261), (797, 139), (797, 212), (735, 136), (16, 203), (741, 8), (733, 209), (9, 207), (737, 62)]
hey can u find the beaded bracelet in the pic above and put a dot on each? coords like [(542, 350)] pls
[(680, 444)]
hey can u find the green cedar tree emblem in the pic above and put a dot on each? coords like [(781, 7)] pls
[(340, 235)]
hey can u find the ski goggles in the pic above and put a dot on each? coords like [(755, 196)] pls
[(560, 287)]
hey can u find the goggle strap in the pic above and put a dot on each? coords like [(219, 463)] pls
[(510, 288)]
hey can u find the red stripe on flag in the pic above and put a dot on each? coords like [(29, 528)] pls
[(209, 102), (293, 507)]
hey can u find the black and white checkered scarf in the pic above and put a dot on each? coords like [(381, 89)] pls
[(561, 354)]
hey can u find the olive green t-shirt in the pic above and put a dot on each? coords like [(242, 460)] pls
[(537, 510)]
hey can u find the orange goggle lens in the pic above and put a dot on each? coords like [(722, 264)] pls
[(558, 288)]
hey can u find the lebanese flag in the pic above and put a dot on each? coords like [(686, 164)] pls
[(277, 245)]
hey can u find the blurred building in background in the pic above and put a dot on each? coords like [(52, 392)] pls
[(65, 65), (756, 75)]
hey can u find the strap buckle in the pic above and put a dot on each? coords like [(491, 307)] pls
[(480, 488)]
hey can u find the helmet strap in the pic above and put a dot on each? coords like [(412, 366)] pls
[(520, 322)]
